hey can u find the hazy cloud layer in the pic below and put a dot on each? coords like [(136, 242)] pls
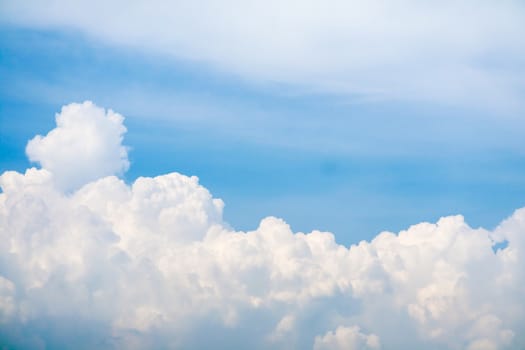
[(153, 265), (454, 52)]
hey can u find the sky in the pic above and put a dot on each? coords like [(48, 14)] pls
[(306, 174)]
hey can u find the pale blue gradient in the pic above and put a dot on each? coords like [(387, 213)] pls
[(320, 161)]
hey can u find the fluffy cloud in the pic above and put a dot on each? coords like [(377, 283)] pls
[(153, 265), (85, 145), (466, 52), (348, 338)]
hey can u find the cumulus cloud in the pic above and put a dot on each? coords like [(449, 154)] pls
[(85, 145), (465, 52), (347, 338), (153, 265)]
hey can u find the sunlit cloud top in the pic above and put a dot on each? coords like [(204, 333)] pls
[(153, 265)]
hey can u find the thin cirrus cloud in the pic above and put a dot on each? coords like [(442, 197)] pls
[(153, 265), (466, 53)]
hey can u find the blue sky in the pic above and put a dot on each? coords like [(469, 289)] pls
[(321, 160), (350, 117)]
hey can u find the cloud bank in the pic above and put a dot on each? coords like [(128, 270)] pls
[(453, 52), (153, 265)]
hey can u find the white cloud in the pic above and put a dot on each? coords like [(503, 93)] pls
[(347, 338), (85, 145), (459, 52), (153, 265)]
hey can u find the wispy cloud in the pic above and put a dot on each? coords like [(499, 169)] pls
[(450, 52)]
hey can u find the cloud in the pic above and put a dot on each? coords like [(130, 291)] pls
[(348, 338), (452, 52), (153, 265), (85, 145)]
